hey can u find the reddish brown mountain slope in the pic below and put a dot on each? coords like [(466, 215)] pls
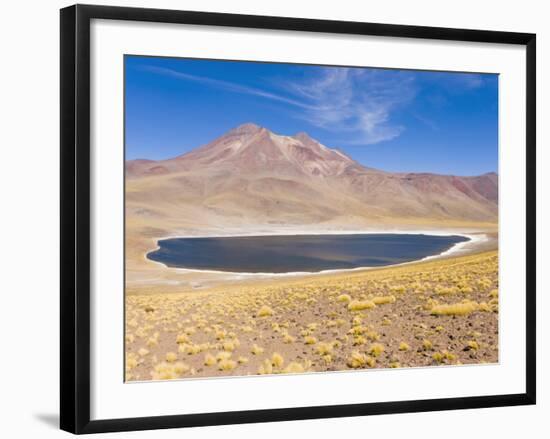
[(253, 176)]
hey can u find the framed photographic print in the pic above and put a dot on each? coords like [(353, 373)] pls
[(269, 218)]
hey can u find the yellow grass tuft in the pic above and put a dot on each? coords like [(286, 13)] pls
[(257, 350), (277, 360), (427, 345), (310, 339), (223, 355), (404, 346), (449, 356), (152, 342), (189, 348), (360, 305), (131, 361), (376, 349), (473, 345), (359, 340), (209, 360), (287, 338), (484, 307), (181, 368), (458, 309), (265, 311), (171, 357), (227, 364), (357, 360), (265, 368), (381, 300), (242, 360), (296, 367), (168, 371), (228, 346), (344, 298), (324, 348), (182, 338)]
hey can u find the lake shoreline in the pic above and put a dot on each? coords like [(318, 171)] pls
[(157, 276), (455, 248)]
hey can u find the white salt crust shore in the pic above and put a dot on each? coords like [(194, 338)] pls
[(473, 239)]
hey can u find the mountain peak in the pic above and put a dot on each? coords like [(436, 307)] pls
[(246, 128), (302, 136)]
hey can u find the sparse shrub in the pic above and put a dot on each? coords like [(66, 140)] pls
[(168, 371), (223, 355), (427, 345), (403, 346), (277, 360), (181, 368), (324, 348), (461, 308), (209, 360), (449, 356), (257, 350), (227, 364), (359, 340), (265, 311), (357, 360), (295, 367), (287, 338), (182, 338), (360, 305), (171, 357), (376, 349), (265, 368), (344, 298), (381, 300), (228, 346)]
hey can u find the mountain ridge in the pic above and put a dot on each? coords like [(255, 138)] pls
[(252, 175)]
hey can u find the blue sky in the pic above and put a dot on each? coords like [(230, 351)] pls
[(395, 120)]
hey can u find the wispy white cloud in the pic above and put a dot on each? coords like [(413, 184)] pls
[(224, 85), (355, 102), (359, 102)]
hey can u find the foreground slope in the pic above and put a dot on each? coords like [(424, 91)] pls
[(441, 312)]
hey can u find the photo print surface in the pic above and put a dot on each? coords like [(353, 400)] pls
[(288, 218)]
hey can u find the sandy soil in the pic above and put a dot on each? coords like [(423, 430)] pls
[(435, 312)]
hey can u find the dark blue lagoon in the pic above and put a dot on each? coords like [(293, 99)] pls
[(303, 253)]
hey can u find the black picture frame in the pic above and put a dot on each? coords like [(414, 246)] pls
[(75, 217)]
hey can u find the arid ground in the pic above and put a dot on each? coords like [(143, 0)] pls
[(439, 312)]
